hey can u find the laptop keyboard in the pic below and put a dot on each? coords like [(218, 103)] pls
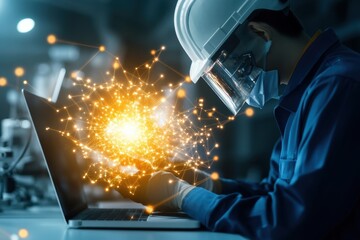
[(113, 214)]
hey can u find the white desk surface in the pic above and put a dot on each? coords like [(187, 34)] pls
[(47, 223)]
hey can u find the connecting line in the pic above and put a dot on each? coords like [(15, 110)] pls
[(26, 147), (172, 69)]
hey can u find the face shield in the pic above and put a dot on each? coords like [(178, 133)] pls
[(232, 72)]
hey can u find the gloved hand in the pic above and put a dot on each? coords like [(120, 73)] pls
[(163, 191), (197, 178)]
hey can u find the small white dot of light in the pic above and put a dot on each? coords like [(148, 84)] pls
[(25, 25)]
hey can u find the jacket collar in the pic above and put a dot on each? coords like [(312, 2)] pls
[(300, 77)]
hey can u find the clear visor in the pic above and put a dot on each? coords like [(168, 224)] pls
[(232, 77)]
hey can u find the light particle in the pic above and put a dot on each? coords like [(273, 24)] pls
[(51, 39)]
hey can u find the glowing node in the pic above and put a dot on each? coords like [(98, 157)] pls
[(102, 48), (149, 209), (161, 75), (119, 130), (19, 71), (51, 39), (216, 158), (171, 181), (163, 47), (23, 233), (116, 65), (181, 93), (152, 52), (214, 176), (74, 74), (25, 82), (249, 112), (3, 82), (163, 100), (187, 79)]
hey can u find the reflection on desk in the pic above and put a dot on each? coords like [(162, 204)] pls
[(47, 223)]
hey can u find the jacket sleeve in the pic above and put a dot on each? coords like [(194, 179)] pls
[(325, 188), (227, 186)]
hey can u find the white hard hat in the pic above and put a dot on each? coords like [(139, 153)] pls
[(202, 26)]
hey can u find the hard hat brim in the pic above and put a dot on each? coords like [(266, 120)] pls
[(197, 69)]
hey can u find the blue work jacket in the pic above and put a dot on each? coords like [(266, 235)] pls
[(313, 187)]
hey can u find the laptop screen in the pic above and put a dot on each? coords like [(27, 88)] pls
[(61, 161)]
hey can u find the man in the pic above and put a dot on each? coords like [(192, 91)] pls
[(244, 49)]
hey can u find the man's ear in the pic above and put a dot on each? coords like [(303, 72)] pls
[(263, 30)]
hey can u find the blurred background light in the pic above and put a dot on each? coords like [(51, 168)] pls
[(25, 25), (19, 71), (3, 81)]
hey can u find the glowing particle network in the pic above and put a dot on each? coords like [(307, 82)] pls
[(127, 127), (130, 130)]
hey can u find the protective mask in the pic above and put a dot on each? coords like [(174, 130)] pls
[(234, 76), (266, 86)]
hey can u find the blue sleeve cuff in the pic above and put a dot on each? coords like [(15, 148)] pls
[(198, 204)]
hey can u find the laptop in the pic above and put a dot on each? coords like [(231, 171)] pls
[(65, 175)]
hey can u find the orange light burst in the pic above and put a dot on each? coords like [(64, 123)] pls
[(127, 129)]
